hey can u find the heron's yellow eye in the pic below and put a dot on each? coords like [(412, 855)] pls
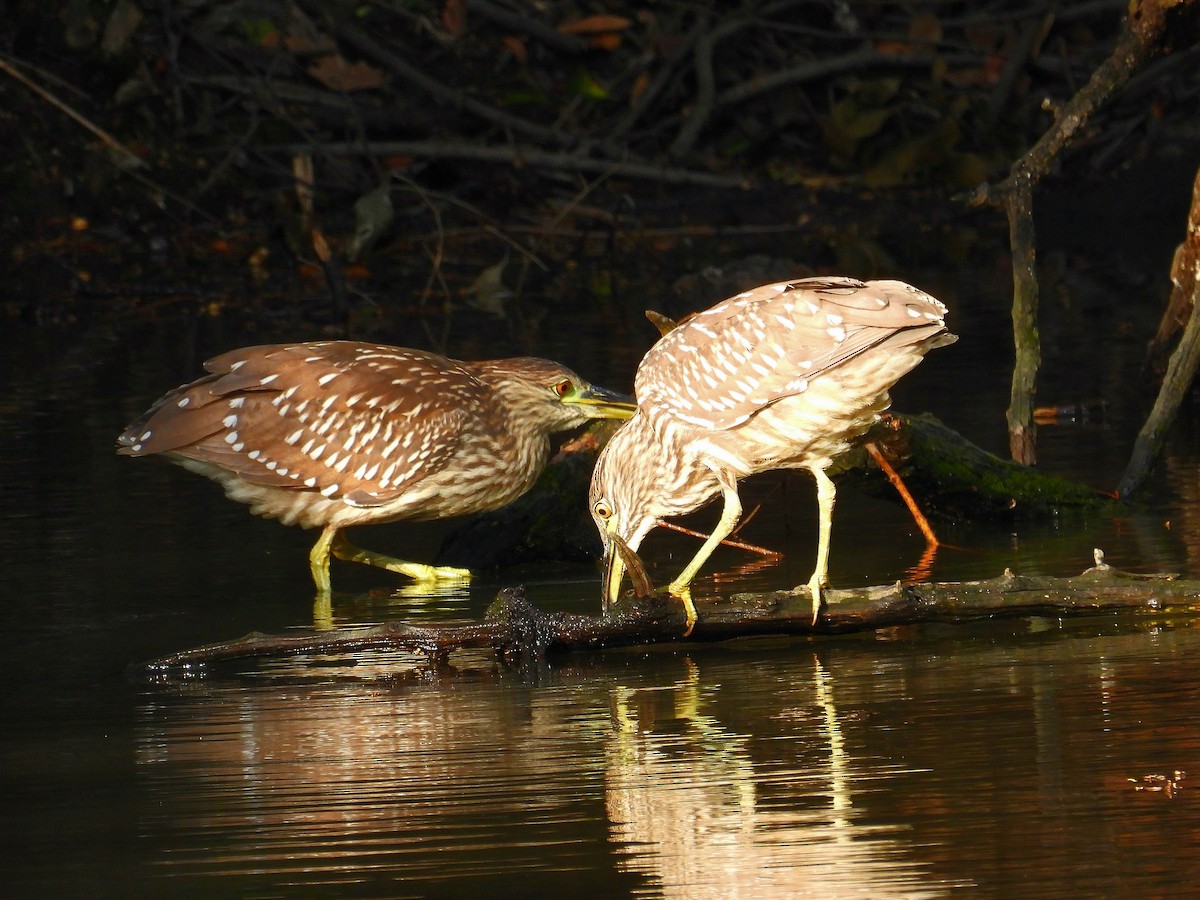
[(562, 388), (602, 509)]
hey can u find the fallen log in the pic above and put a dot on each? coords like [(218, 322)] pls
[(520, 634), (952, 478)]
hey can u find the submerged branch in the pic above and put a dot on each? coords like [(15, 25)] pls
[(519, 632)]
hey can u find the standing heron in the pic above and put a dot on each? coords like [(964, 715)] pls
[(784, 376), (340, 433)]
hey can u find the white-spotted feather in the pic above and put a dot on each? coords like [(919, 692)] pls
[(773, 342)]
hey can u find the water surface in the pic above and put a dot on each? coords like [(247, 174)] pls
[(1032, 758)]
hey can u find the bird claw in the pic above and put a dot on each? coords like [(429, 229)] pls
[(818, 600), (644, 588), (684, 594)]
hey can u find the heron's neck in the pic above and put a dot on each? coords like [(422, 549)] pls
[(675, 478)]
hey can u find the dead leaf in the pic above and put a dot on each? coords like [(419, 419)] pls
[(583, 84), (926, 31), (373, 214), (926, 26), (849, 123), (595, 25), (487, 292), (608, 40), (301, 35), (120, 28), (640, 84), (321, 246), (921, 153), (454, 16), (338, 74), (516, 46), (311, 272), (304, 176), (80, 28), (257, 261)]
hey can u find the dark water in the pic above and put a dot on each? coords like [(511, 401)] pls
[(1003, 759)]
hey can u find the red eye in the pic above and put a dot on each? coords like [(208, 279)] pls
[(563, 388)]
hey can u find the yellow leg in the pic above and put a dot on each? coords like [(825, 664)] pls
[(332, 541), (323, 611), (826, 494), (343, 549), (730, 514), (318, 560)]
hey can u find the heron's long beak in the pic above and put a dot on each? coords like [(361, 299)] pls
[(603, 403), (619, 556)]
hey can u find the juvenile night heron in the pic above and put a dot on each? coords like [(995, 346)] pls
[(339, 433), (783, 376)]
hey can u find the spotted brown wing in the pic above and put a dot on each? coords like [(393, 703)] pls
[(728, 362), (363, 422)]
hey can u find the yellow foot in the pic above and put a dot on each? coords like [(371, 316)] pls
[(817, 589), (683, 593), (422, 572), (343, 549)]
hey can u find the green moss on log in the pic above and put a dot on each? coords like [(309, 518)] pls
[(953, 478)]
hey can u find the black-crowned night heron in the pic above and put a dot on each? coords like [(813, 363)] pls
[(783, 376), (339, 433)]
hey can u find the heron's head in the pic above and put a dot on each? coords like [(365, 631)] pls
[(626, 497), (545, 396)]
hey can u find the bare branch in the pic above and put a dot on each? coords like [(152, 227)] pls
[(517, 156), (518, 632)]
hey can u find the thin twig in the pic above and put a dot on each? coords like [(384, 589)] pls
[(658, 83), (1136, 44), (864, 57), (1139, 40), (701, 107), (436, 255), (369, 48), (131, 159), (543, 34), (728, 542), (712, 231), (902, 489), (516, 156), (1030, 37)]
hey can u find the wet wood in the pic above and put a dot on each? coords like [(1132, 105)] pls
[(1142, 36), (518, 632), (1022, 432), (951, 478), (1184, 361)]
